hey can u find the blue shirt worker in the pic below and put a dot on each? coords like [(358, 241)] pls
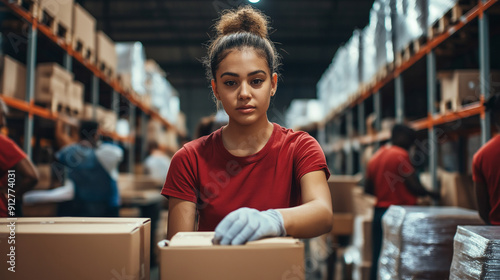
[(93, 169)]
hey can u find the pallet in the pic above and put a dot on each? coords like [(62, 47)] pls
[(410, 50), (57, 27), (453, 16), (453, 105)]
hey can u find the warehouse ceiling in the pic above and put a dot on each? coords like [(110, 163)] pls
[(174, 33)]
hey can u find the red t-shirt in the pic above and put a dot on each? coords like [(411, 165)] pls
[(486, 170), (387, 170), (205, 173), (10, 155)]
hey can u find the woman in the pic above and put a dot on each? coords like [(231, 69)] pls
[(251, 178)]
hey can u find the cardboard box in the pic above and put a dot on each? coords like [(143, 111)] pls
[(13, 79), (78, 248), (191, 255), (54, 70), (128, 181), (362, 237), (76, 98), (44, 177), (106, 54), (341, 192), (343, 224), (363, 203), (51, 91), (40, 210), (60, 11), (463, 86), (457, 190), (84, 33)]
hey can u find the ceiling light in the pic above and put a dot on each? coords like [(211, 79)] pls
[(253, 1)]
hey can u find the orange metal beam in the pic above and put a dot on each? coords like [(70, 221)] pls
[(113, 83)]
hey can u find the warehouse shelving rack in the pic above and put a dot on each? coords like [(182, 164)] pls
[(331, 124), (97, 76)]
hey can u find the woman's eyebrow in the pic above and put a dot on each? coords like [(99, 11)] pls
[(257, 72), (229, 74)]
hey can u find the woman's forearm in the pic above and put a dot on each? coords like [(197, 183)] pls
[(308, 220)]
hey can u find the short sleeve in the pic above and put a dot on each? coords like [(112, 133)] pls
[(181, 179), (477, 174), (10, 153), (309, 157)]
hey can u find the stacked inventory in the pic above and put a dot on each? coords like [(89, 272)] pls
[(418, 241), (53, 85), (476, 253)]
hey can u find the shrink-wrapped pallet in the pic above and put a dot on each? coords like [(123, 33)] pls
[(476, 253), (409, 18), (131, 66), (418, 241)]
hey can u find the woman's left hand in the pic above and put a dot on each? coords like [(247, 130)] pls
[(247, 224)]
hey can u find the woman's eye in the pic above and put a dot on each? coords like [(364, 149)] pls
[(257, 81), (230, 83)]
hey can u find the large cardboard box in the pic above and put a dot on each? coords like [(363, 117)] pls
[(77, 248), (191, 255), (457, 190), (343, 224), (84, 33), (60, 10), (463, 86), (107, 59), (128, 181), (13, 79), (75, 101)]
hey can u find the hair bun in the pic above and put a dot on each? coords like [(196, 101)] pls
[(244, 19)]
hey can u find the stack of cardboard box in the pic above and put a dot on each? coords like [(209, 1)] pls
[(106, 118), (13, 78), (59, 16), (53, 85)]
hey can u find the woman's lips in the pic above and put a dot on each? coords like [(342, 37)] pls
[(246, 109)]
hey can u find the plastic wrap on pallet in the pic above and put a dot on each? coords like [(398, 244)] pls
[(369, 49), (172, 109), (353, 62), (476, 253), (409, 20), (418, 241), (323, 89), (157, 85), (131, 61), (383, 33), (437, 8)]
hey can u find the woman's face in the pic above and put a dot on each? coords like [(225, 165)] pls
[(244, 85)]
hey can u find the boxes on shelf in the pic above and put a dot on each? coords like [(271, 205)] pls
[(106, 118), (112, 247), (460, 87), (76, 98), (476, 253), (84, 34), (106, 54), (58, 15), (457, 190), (13, 80), (412, 232), (271, 258), (52, 85)]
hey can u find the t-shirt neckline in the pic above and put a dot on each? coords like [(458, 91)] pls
[(245, 159)]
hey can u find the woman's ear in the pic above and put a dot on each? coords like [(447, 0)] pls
[(214, 89), (274, 83)]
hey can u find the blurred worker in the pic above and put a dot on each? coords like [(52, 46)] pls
[(17, 173), (157, 163), (486, 171), (391, 178), (93, 170)]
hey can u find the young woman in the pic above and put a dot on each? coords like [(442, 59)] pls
[(251, 178)]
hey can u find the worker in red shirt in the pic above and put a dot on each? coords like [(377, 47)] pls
[(251, 178), (486, 171), (17, 173), (391, 178)]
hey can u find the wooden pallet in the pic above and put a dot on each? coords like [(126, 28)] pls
[(410, 50), (451, 17)]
